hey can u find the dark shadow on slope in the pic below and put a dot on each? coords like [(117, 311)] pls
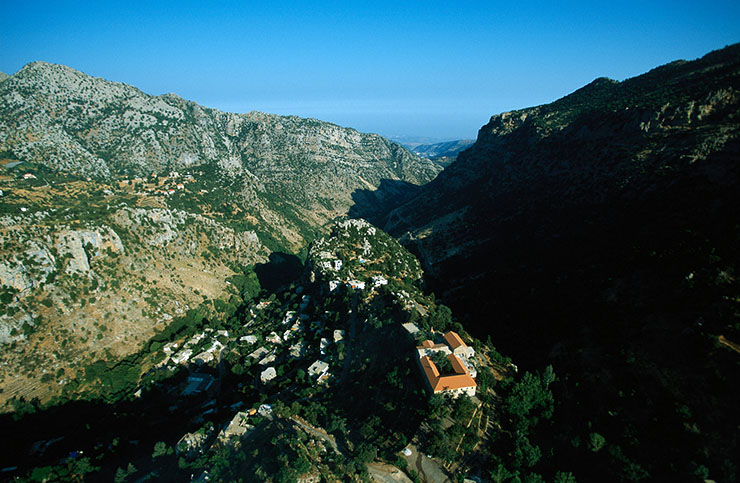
[(625, 298), (91, 436), (281, 269), (373, 205)]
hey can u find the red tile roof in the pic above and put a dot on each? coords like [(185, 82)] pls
[(430, 369), (461, 378), (454, 340), (449, 383), (457, 365)]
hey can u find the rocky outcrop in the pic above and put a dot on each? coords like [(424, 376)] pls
[(28, 268), (159, 227), (14, 275), (13, 329), (69, 121)]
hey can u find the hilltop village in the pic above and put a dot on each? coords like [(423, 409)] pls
[(348, 359)]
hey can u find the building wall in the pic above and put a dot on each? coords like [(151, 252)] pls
[(464, 351), (455, 393)]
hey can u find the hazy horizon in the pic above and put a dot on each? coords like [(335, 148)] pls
[(430, 69)]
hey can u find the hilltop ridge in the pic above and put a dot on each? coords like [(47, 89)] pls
[(599, 234), (73, 123), (185, 196)]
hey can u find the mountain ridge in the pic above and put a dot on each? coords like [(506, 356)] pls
[(443, 153), (56, 80), (194, 196), (54, 115), (599, 234)]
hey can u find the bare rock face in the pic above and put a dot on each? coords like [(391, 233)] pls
[(15, 275), (293, 175), (60, 117), (12, 329), (163, 228), (27, 269)]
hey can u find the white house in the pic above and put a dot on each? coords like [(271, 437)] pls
[(268, 375), (318, 369)]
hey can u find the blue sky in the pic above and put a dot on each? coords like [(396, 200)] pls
[(436, 69)]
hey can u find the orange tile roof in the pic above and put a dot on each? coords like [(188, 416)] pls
[(427, 344), (448, 383), (454, 340), (430, 369), (459, 380), (457, 365)]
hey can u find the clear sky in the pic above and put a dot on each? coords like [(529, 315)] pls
[(436, 69)]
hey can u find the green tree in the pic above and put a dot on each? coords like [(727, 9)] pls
[(530, 399), (596, 442), (160, 449), (441, 319), (564, 477), (444, 366), (365, 453)]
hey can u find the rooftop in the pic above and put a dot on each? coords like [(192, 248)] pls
[(454, 340), (460, 379)]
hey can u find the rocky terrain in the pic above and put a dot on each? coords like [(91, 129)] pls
[(599, 234), (122, 211), (292, 171), (317, 381), (91, 271)]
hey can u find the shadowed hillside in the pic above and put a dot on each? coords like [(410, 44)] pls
[(600, 234)]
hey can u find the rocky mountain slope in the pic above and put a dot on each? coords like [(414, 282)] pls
[(121, 211), (317, 381), (600, 233), (283, 167), (91, 271)]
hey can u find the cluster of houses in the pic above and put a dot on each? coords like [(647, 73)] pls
[(206, 347), (296, 322), (332, 267), (162, 185), (376, 281), (210, 340), (462, 378)]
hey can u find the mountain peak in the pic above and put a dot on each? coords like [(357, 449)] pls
[(38, 66)]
